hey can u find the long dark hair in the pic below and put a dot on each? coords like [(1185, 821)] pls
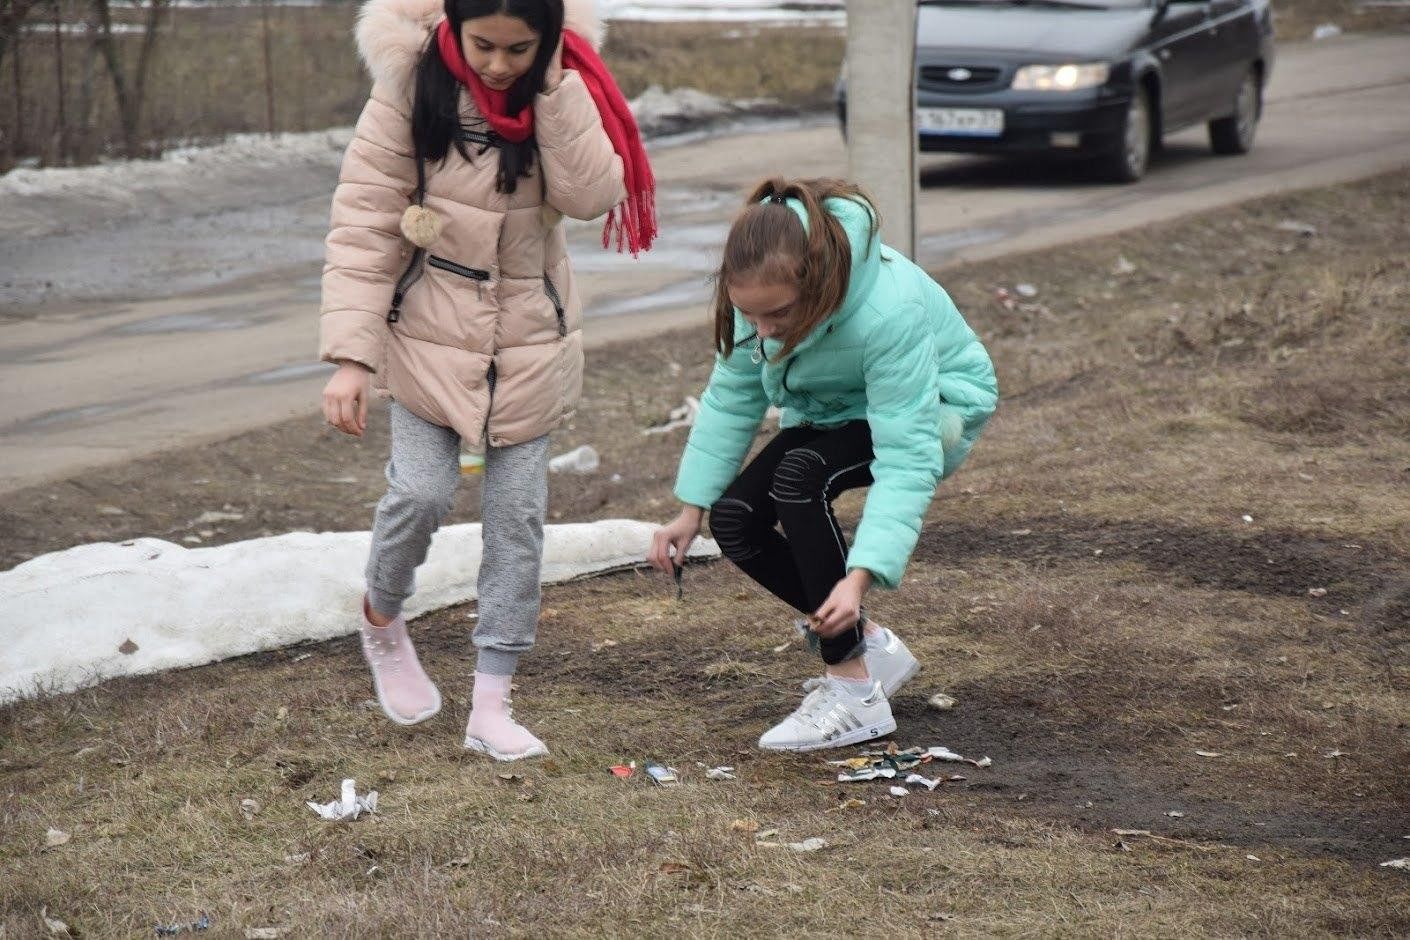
[(435, 118), (768, 243)]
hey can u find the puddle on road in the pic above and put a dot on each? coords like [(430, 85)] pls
[(66, 416), (210, 321), (289, 373), (685, 248), (937, 248), (682, 293)]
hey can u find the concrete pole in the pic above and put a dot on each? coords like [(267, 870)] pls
[(881, 131)]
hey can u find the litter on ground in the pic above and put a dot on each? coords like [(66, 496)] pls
[(875, 765), (682, 417), (1401, 863), (583, 459), (867, 773), (900, 791), (720, 773), (622, 770), (57, 928), (170, 930), (665, 776), (349, 807), (942, 702)]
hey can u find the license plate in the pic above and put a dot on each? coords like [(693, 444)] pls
[(961, 122)]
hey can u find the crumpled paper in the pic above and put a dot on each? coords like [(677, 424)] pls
[(682, 417), (349, 807), (944, 753)]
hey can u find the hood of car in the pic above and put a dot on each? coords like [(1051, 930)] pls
[(1034, 33)]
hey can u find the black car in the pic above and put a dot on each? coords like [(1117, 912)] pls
[(1104, 78)]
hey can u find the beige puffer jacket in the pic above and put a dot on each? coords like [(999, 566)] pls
[(481, 298)]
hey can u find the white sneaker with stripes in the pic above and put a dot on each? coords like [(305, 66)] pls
[(889, 660), (832, 715)]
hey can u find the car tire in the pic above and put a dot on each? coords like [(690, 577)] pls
[(1233, 134), (1128, 160)]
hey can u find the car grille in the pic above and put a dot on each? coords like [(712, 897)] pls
[(959, 77)]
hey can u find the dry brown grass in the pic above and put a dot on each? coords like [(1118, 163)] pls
[(1087, 589), (1296, 19)]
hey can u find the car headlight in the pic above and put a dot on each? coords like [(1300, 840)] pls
[(1061, 77)]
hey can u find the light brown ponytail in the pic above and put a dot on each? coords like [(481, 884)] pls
[(767, 243)]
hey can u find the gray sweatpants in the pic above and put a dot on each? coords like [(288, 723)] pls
[(422, 475)]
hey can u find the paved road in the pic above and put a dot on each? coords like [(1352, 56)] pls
[(89, 377)]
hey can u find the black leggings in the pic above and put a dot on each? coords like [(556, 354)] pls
[(792, 483)]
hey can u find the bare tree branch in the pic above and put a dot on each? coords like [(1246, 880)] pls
[(129, 91)]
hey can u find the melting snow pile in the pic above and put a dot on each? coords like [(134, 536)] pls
[(79, 616)]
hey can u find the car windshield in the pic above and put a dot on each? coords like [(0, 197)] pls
[(1070, 4)]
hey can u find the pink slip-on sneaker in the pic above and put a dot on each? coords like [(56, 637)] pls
[(492, 729), (405, 692)]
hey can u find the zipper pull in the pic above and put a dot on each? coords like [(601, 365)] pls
[(394, 314)]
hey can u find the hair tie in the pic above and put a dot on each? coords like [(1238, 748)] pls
[(779, 198)]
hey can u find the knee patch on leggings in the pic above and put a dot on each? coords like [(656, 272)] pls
[(732, 524), (801, 477)]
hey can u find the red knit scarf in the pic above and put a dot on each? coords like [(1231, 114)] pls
[(634, 221)]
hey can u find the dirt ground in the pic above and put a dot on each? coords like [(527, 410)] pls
[(1169, 594)]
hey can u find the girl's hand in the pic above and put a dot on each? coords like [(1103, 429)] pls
[(675, 535), (345, 398), (843, 607), (554, 73)]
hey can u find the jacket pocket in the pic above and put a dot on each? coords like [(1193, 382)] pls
[(557, 305), (474, 274)]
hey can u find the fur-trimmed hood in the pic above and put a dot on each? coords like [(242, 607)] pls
[(391, 34)]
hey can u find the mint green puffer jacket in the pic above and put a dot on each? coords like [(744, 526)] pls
[(898, 354)]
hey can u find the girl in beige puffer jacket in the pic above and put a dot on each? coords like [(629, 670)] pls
[(447, 285)]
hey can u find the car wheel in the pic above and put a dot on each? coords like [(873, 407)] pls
[(1128, 160), (1234, 134)]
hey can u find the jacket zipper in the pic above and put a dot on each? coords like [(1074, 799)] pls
[(557, 305), (409, 277), (475, 274)]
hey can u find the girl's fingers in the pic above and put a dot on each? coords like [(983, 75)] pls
[(347, 416), (361, 413), (658, 554)]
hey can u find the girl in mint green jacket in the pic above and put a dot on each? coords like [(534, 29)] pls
[(881, 383)]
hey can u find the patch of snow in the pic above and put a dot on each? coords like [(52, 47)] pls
[(178, 170), (773, 12), (69, 615)]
